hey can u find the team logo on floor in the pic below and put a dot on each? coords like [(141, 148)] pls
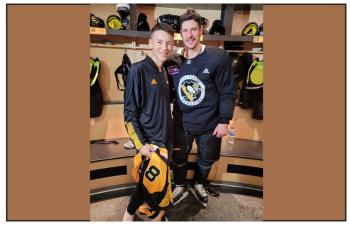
[(191, 90)]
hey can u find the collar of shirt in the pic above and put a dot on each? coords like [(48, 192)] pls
[(153, 64), (181, 51)]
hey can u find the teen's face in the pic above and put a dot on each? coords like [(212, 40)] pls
[(191, 33), (162, 44)]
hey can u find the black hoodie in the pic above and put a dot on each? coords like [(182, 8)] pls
[(147, 112)]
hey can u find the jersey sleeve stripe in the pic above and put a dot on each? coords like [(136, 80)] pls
[(133, 135)]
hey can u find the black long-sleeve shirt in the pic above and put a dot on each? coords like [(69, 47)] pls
[(147, 112), (204, 88)]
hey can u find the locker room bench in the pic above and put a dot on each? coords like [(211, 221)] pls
[(240, 166)]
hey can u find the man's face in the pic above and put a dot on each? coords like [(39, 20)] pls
[(162, 44), (191, 33)]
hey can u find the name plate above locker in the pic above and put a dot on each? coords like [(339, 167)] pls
[(258, 39), (98, 31)]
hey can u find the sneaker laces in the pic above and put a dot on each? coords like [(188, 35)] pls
[(200, 189), (177, 190)]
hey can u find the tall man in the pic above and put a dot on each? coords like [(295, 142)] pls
[(204, 86), (147, 112)]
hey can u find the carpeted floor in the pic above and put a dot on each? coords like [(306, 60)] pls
[(227, 207)]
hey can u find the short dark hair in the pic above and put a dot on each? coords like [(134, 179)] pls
[(163, 27), (191, 14)]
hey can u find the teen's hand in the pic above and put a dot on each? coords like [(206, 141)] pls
[(147, 150)]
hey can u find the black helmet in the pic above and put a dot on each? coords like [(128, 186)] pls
[(142, 24), (251, 29), (217, 28), (96, 21), (261, 29), (204, 23), (113, 22), (170, 19), (124, 11)]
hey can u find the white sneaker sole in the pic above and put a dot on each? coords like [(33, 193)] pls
[(128, 218), (184, 195), (129, 145)]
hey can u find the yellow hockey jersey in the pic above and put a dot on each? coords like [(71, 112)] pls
[(154, 176)]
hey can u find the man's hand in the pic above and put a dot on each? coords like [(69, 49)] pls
[(147, 150), (220, 130)]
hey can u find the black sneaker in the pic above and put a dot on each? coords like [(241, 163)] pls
[(200, 194), (211, 189), (179, 193)]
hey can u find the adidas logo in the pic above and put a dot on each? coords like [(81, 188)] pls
[(154, 82), (206, 71)]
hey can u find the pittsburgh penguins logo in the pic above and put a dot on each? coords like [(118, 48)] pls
[(191, 90)]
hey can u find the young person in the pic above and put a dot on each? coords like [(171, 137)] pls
[(147, 112)]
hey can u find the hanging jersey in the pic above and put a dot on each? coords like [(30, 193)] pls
[(96, 96), (122, 70), (154, 177)]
